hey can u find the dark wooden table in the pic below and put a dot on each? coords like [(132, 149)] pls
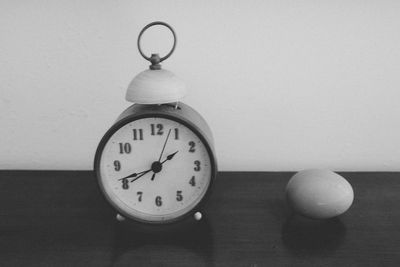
[(53, 218)]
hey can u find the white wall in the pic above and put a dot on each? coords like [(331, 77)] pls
[(285, 85)]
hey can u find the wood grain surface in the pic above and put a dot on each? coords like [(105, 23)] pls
[(59, 218)]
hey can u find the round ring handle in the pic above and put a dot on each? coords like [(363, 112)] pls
[(151, 59)]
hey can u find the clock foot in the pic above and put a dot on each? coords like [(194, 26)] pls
[(120, 218), (197, 216)]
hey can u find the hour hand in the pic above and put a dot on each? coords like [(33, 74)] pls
[(169, 157)]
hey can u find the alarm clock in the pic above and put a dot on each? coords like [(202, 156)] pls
[(156, 164)]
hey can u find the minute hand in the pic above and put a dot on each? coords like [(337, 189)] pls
[(140, 176), (133, 175)]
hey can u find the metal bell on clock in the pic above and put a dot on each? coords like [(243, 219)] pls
[(156, 85)]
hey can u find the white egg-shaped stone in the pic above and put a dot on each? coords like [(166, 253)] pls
[(155, 87), (319, 194)]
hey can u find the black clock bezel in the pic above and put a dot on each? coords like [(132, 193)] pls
[(133, 117)]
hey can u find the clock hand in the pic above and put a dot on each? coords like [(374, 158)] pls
[(140, 175), (159, 164), (165, 143), (135, 174), (169, 157)]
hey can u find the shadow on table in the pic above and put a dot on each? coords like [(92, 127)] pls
[(174, 245), (305, 236)]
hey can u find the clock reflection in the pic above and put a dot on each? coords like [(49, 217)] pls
[(180, 244)]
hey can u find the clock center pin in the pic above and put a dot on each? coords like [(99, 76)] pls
[(156, 167)]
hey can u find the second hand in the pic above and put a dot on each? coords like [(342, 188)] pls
[(162, 151)]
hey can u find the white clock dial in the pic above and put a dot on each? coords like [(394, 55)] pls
[(155, 169)]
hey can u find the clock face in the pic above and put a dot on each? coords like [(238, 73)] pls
[(155, 169)]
